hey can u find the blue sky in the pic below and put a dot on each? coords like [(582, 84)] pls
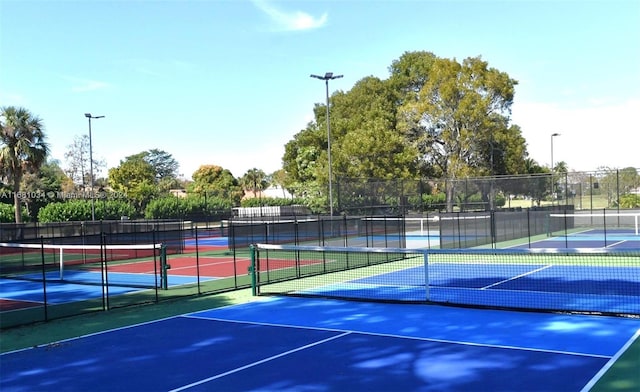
[(227, 82)]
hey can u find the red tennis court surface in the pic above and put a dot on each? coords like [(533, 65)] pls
[(212, 266), (11, 304)]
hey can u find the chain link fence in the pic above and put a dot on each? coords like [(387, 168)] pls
[(612, 189)]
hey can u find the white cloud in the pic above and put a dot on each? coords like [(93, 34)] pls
[(9, 99), (84, 85), (601, 135), (290, 20)]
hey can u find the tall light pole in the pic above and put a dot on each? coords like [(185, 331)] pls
[(553, 169), (328, 76), (93, 199), (552, 136)]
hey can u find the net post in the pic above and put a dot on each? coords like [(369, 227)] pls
[(164, 275), (61, 260), (252, 270), (44, 280)]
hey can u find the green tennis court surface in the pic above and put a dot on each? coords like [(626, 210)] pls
[(329, 345)]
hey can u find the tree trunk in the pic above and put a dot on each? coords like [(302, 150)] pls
[(450, 194), (16, 200)]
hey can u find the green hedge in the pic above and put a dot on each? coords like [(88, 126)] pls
[(271, 201), (184, 207), (80, 210), (7, 214)]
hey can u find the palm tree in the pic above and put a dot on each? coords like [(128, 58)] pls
[(256, 180), (23, 148)]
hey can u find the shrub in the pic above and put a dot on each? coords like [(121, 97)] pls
[(7, 214), (80, 210), (630, 201), (271, 201), (182, 208)]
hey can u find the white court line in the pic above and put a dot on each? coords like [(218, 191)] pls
[(271, 358), (615, 243), (516, 277), (610, 363), (199, 265), (460, 342)]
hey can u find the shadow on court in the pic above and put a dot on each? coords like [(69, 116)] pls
[(315, 344)]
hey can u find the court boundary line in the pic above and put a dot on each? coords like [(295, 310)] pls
[(127, 327), (436, 340), (457, 288), (568, 238), (615, 243), (71, 339), (544, 267), (260, 362), (610, 363)]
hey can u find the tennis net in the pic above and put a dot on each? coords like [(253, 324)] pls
[(141, 265), (596, 224), (577, 280)]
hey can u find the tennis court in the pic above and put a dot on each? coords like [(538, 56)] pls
[(318, 344), (314, 341), (590, 239), (581, 280), (33, 274)]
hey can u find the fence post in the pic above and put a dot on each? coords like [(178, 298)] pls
[(252, 271)]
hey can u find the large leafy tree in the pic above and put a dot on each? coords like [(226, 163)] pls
[(302, 159), (629, 179), (537, 185), (410, 73), (49, 184), (165, 168), (136, 178), (461, 109), (281, 179), (365, 142), (369, 145), (216, 181), (432, 117), (23, 148), (616, 182), (163, 163)]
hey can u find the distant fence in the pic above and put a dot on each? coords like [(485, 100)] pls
[(197, 249), (582, 190), (467, 230), (565, 226), (119, 232), (359, 231)]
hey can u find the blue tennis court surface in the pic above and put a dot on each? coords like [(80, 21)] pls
[(592, 239), (586, 241), (609, 289), (57, 293), (208, 241), (325, 345), (88, 285)]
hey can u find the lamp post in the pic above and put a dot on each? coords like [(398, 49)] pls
[(553, 170), (93, 199), (328, 76)]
